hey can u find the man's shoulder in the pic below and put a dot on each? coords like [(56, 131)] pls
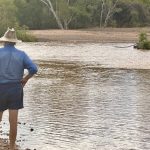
[(1, 48), (19, 51), (14, 48)]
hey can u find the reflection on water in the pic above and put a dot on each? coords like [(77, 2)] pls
[(79, 106)]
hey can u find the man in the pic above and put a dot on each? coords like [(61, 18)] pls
[(12, 65)]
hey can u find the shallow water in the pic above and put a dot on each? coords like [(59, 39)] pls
[(81, 99)]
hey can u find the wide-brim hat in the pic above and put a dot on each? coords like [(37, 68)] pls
[(10, 36)]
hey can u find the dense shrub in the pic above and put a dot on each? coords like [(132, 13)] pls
[(143, 42), (23, 34)]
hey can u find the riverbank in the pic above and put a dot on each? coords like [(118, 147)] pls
[(4, 144), (94, 35)]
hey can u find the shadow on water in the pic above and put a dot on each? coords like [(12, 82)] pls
[(75, 106)]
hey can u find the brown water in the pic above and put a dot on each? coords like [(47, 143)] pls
[(81, 99)]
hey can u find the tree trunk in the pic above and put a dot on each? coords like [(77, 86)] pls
[(65, 25), (110, 13), (101, 13), (68, 2), (48, 3), (67, 20)]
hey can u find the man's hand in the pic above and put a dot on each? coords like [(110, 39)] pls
[(25, 79)]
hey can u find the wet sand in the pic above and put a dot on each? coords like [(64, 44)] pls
[(94, 35), (4, 144)]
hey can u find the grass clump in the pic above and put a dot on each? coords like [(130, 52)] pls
[(23, 34), (143, 42)]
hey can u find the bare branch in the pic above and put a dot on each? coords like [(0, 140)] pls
[(48, 3), (101, 14), (110, 12)]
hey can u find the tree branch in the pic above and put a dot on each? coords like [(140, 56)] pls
[(48, 3)]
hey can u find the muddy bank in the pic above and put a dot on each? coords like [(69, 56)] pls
[(96, 35), (3, 145)]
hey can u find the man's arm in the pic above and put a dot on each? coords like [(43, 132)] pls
[(25, 79), (31, 67)]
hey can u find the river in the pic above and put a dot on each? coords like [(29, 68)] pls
[(85, 97)]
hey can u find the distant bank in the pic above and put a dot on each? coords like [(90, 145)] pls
[(96, 35)]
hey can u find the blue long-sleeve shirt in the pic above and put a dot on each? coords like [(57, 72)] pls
[(12, 64)]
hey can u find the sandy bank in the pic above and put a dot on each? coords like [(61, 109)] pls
[(96, 35), (5, 146)]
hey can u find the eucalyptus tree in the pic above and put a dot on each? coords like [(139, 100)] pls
[(107, 9), (101, 12), (111, 8), (49, 5), (70, 10), (66, 11), (65, 14)]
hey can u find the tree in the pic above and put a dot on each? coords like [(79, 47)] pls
[(50, 7), (82, 14), (72, 14), (64, 12), (101, 12), (107, 9), (111, 8), (131, 14), (7, 15), (34, 14)]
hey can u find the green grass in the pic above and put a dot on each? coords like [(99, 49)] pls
[(143, 42), (25, 36)]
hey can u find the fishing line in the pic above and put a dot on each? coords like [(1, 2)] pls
[(133, 45)]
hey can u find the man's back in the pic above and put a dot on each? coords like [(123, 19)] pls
[(12, 64)]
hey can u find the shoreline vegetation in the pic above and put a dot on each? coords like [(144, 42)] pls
[(91, 35), (143, 43), (25, 36)]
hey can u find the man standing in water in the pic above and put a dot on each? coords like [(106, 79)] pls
[(12, 65)]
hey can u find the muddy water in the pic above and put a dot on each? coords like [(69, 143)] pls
[(85, 97)]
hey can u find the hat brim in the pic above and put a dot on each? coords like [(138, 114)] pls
[(3, 39)]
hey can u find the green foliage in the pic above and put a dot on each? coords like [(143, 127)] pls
[(82, 15), (143, 37), (74, 13), (8, 18), (33, 14), (132, 13), (143, 43), (23, 34), (7, 15)]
